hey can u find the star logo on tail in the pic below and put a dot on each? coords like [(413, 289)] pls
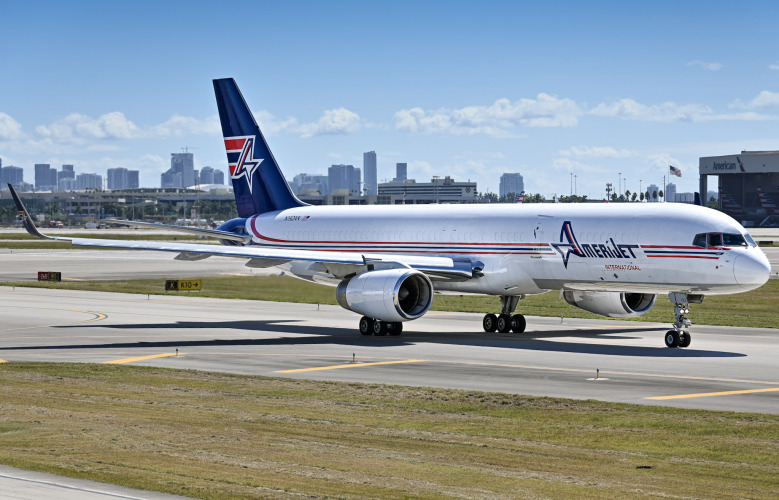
[(240, 158)]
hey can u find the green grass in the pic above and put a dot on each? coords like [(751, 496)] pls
[(212, 435), (756, 308)]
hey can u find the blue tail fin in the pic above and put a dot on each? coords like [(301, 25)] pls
[(258, 183)]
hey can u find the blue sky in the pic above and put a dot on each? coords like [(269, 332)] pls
[(465, 89)]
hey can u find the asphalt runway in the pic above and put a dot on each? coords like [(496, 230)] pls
[(725, 368)]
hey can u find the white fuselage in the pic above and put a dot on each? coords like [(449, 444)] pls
[(533, 248)]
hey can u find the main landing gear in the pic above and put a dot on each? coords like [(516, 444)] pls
[(679, 336), (505, 322), (370, 326)]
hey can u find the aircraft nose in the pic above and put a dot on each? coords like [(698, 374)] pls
[(752, 269)]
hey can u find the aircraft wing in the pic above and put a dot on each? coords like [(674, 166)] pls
[(199, 231), (336, 263)]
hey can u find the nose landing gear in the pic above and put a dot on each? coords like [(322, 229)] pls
[(679, 336)]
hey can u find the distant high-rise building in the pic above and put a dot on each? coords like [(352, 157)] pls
[(122, 178), (670, 192), (369, 167), (181, 173), (89, 181), (309, 183), (11, 175), (401, 172), (344, 177), (66, 178), (511, 184), (219, 177), (652, 190), (45, 177), (209, 175)]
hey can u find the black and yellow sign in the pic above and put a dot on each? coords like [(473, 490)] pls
[(183, 285), (49, 276)]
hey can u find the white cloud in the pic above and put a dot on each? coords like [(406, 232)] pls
[(333, 121), (569, 165), (78, 127), (773, 66), (10, 129), (708, 66), (666, 112), (498, 119), (178, 125), (662, 161), (269, 125), (596, 152), (764, 99)]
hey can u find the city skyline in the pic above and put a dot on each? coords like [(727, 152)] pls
[(602, 92)]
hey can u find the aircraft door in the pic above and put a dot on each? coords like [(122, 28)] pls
[(543, 232)]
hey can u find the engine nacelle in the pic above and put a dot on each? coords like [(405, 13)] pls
[(388, 294), (611, 304)]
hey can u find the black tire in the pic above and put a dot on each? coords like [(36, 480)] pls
[(504, 323), (672, 338), (395, 329), (684, 340), (380, 328), (490, 323), (518, 323), (366, 325)]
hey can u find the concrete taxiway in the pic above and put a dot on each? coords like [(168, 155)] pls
[(21, 484), (726, 368)]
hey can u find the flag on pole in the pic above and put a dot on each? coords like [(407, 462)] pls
[(675, 171)]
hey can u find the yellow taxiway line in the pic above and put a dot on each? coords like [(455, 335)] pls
[(350, 365), (708, 394), (141, 358)]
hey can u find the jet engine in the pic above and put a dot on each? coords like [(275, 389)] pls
[(611, 304), (387, 295)]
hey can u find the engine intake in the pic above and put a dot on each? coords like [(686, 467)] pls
[(611, 304), (387, 295)]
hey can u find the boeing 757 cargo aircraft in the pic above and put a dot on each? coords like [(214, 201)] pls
[(387, 262)]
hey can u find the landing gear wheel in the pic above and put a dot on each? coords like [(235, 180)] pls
[(380, 328), (395, 329), (366, 325), (672, 338), (504, 323), (490, 323), (518, 323), (685, 339)]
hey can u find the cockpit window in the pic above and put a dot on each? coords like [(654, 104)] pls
[(700, 240), (708, 240), (715, 239), (750, 240), (733, 240)]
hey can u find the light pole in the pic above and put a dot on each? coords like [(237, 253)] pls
[(571, 183), (619, 186), (575, 189)]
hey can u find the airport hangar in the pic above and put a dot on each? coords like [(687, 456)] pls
[(741, 178)]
